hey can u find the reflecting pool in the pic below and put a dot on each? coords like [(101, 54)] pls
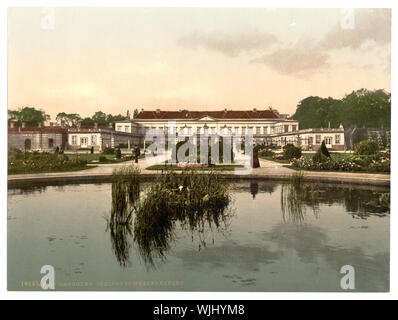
[(272, 236)]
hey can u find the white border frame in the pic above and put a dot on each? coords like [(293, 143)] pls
[(181, 295)]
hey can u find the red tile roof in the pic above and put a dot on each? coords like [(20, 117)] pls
[(38, 129), (192, 115)]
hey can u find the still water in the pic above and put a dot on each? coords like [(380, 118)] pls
[(270, 239)]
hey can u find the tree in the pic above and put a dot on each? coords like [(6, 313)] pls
[(324, 150), (112, 119), (135, 113), (100, 118), (118, 153), (87, 122), (29, 115), (362, 108), (70, 119)]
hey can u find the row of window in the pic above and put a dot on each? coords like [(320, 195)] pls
[(328, 140), (120, 128), (213, 130), (84, 140)]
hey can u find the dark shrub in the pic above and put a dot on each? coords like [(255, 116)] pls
[(290, 151), (57, 149), (92, 150), (108, 151), (366, 147), (102, 159), (266, 153), (319, 157), (324, 150), (118, 153)]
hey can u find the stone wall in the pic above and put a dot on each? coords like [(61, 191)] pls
[(38, 140)]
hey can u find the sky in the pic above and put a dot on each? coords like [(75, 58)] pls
[(82, 60)]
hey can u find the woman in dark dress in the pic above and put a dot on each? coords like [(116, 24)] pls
[(256, 162)]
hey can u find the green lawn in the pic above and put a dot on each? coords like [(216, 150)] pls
[(334, 155), (283, 161), (220, 167), (30, 171), (94, 157)]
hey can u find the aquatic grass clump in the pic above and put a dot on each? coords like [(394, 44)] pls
[(125, 193), (191, 199), (296, 196)]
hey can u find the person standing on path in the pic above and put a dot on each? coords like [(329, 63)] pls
[(137, 153)]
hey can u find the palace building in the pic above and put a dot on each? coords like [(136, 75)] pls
[(267, 127)]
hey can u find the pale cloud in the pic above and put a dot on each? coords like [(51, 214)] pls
[(300, 60), (229, 44), (293, 61), (369, 25)]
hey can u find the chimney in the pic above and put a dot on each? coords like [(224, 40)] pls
[(157, 110), (110, 125), (95, 125), (225, 110), (40, 125), (11, 124), (254, 109), (23, 124), (142, 110), (62, 124), (51, 124)]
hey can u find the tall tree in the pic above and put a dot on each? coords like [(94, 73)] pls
[(100, 118), (70, 119), (362, 108), (29, 115)]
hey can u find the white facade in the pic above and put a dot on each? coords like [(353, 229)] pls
[(267, 127)]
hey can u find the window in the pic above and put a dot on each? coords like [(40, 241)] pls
[(51, 143), (328, 140), (272, 129), (294, 128), (258, 130), (318, 139), (74, 139), (286, 127), (243, 130), (126, 128), (119, 128), (93, 139), (337, 139), (265, 130), (250, 130)]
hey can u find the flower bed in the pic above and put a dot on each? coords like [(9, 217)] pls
[(35, 162), (379, 162)]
